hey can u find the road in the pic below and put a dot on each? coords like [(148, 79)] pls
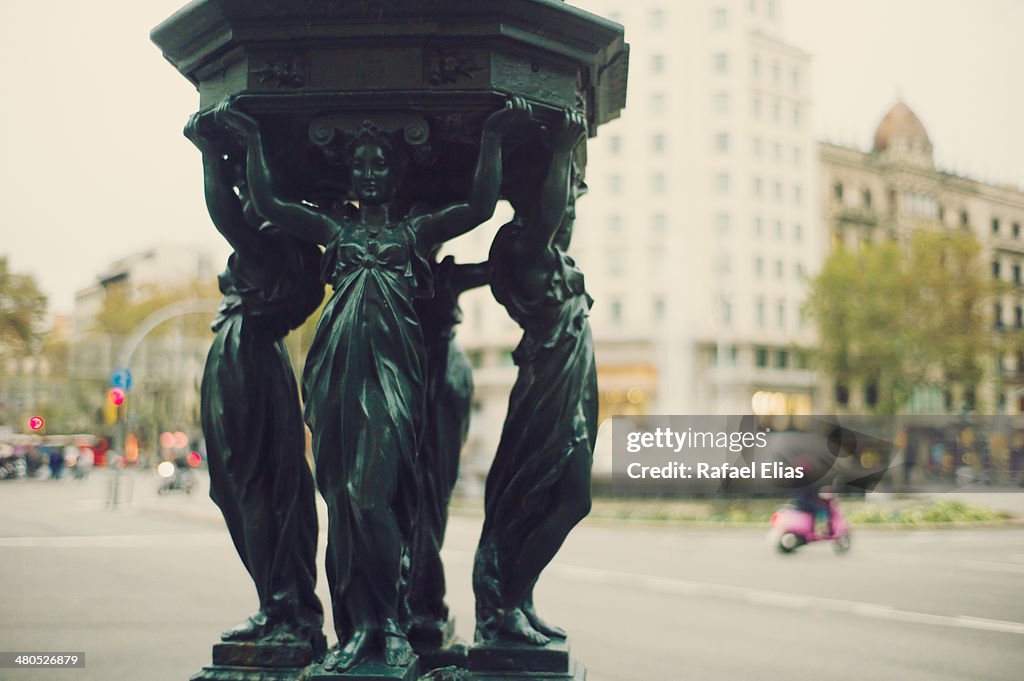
[(145, 589)]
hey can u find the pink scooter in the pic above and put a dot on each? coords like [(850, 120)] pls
[(792, 528)]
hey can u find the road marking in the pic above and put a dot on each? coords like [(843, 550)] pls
[(159, 541), (878, 611), (994, 566)]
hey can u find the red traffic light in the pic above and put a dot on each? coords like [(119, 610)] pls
[(194, 459), (116, 396)]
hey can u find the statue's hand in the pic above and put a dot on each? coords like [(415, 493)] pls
[(194, 133), (572, 131), (517, 110), (228, 115)]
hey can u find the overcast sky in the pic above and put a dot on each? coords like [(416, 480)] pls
[(94, 165)]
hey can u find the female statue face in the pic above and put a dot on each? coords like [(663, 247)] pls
[(372, 178)]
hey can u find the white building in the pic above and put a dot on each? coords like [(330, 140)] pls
[(700, 227)]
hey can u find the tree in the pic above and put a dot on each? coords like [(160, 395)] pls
[(22, 312), (896, 316)]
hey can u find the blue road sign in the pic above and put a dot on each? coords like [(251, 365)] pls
[(121, 378)]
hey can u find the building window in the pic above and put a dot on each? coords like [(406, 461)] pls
[(798, 232), (778, 230), (757, 186), (727, 313), (759, 312), (778, 190), (721, 62), (657, 102), (866, 198), (657, 18), (776, 72), (782, 359), (724, 265), (658, 63), (755, 107), (722, 183), (776, 111), (798, 270), (796, 116), (615, 184), (995, 225), (658, 222), (723, 222), (778, 270), (871, 394), (658, 183), (761, 357), (755, 67), (659, 308), (997, 315), (759, 266), (721, 102), (758, 227), (616, 311), (780, 314), (614, 144), (615, 223), (778, 151), (615, 264), (1016, 230), (965, 220), (796, 194), (722, 142), (1016, 274), (658, 143), (796, 79), (721, 17), (837, 191), (757, 147), (1018, 317), (796, 156), (995, 269), (842, 395)]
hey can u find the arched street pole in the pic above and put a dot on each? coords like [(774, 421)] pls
[(147, 325)]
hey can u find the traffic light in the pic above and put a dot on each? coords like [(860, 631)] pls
[(112, 405)]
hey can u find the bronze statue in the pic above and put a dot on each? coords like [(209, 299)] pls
[(538, 487), (251, 416), (449, 394), (364, 380)]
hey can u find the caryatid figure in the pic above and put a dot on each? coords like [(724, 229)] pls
[(538, 487), (251, 417)]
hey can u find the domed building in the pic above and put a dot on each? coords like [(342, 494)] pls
[(894, 189), (901, 132)]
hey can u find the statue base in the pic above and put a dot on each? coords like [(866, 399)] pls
[(437, 645), (225, 673), (507, 661), (577, 672), (503, 656), (367, 670), (257, 661)]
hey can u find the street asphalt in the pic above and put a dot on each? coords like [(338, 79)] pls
[(145, 588)]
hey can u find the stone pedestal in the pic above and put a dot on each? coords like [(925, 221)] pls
[(523, 662), (368, 670), (438, 646), (256, 662)]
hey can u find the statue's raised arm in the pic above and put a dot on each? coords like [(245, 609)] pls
[(293, 217), (435, 228), (554, 195)]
